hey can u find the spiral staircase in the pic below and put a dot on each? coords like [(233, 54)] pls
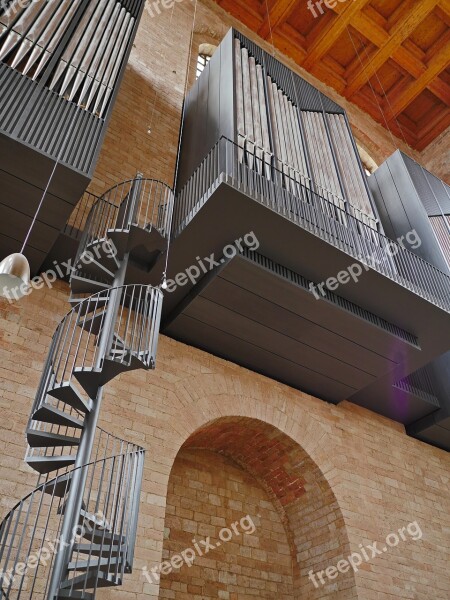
[(76, 531)]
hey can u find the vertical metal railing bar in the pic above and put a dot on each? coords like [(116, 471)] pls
[(345, 230), (127, 489), (33, 533), (44, 535), (30, 502)]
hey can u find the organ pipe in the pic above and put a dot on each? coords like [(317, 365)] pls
[(87, 70), (309, 149)]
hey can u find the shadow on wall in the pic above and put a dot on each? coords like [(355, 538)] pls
[(235, 472), (143, 132)]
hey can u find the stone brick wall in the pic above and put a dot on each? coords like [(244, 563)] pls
[(208, 493), (371, 476)]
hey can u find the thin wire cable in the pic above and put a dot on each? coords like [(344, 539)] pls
[(388, 102), (39, 206), (371, 87), (57, 163), (270, 28), (150, 126), (177, 165)]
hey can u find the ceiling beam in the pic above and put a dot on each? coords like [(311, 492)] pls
[(401, 55), (332, 32), (396, 37), (280, 11), (435, 66)]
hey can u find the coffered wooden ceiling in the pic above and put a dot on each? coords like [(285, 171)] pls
[(390, 57)]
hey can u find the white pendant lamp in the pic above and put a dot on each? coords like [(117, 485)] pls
[(14, 276), (15, 269)]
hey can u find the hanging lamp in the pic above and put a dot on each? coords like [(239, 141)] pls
[(15, 268)]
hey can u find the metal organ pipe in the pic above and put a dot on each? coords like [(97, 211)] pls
[(88, 68), (331, 170)]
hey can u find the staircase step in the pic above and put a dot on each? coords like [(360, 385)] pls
[(108, 564), (98, 267), (47, 439), (50, 414), (74, 595), (47, 464), (94, 578), (93, 520), (99, 549), (93, 323), (99, 302), (101, 536), (84, 285), (89, 379), (68, 394), (59, 487), (112, 258)]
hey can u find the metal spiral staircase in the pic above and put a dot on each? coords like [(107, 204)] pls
[(76, 531)]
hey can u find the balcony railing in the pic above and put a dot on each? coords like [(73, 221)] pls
[(297, 198)]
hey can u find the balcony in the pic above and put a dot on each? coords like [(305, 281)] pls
[(61, 64), (257, 309)]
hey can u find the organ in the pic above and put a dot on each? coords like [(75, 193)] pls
[(61, 63), (282, 125)]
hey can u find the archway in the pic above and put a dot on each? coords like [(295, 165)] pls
[(236, 473)]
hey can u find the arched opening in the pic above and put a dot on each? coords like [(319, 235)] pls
[(245, 480)]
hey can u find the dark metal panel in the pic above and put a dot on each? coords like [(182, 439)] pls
[(264, 335), (225, 345), (266, 310), (227, 88), (401, 209)]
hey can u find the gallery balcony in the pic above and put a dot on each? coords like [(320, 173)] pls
[(257, 308)]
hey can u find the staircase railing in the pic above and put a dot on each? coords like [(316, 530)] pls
[(62, 399), (102, 546), (142, 203), (90, 508)]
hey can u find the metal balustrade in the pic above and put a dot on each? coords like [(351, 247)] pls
[(138, 203), (100, 550), (305, 204), (78, 362)]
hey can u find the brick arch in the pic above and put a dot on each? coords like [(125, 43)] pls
[(300, 492)]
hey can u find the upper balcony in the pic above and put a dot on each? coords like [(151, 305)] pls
[(61, 64), (264, 153)]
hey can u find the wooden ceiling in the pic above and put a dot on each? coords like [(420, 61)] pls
[(389, 57)]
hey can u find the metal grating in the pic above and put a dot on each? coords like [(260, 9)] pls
[(419, 384), (346, 305), (35, 116)]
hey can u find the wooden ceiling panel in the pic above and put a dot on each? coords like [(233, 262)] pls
[(388, 76), (393, 54), (428, 32), (385, 9)]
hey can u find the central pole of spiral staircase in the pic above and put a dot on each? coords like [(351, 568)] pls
[(74, 501)]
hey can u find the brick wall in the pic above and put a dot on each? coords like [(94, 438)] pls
[(208, 493), (371, 476)]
